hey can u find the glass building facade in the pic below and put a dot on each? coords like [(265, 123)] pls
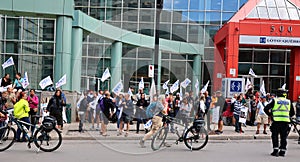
[(31, 43), (192, 21)]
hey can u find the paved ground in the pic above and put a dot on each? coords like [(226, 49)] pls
[(128, 150), (71, 132)]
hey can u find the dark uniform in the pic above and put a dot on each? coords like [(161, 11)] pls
[(280, 109)]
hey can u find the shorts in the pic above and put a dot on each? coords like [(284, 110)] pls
[(125, 118), (262, 119), (105, 118), (98, 111), (156, 123)]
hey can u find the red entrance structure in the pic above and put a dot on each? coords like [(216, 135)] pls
[(252, 27)]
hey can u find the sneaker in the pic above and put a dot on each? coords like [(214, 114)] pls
[(119, 133), (265, 132), (241, 131), (275, 153), (257, 132), (142, 143), (126, 134), (97, 128)]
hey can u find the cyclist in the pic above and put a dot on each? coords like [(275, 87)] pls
[(21, 112), (159, 112)]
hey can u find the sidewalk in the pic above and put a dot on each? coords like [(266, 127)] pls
[(71, 132)]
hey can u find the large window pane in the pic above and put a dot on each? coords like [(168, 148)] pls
[(113, 14), (12, 28), (114, 3), (147, 15), (179, 32), (226, 16), (213, 18), (13, 47), (197, 4), (244, 68), (165, 16), (164, 31), (277, 70), (213, 5), (180, 4), (145, 53), (46, 30), (167, 4), (277, 56), (230, 5), (30, 29), (147, 3), (131, 3), (197, 17), (245, 56), (97, 3), (147, 29), (180, 17), (196, 34), (261, 56), (260, 69), (46, 48)]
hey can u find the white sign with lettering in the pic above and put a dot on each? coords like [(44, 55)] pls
[(268, 40)]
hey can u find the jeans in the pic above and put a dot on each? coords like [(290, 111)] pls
[(81, 120), (32, 119), (19, 131), (2, 124), (139, 121), (237, 123)]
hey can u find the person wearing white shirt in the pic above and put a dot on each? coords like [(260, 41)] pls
[(261, 116)]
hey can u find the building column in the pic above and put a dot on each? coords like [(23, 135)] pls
[(196, 73), (116, 63), (219, 67), (63, 50), (232, 56), (77, 34), (294, 84)]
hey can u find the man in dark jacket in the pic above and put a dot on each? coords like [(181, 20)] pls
[(280, 110), (108, 110)]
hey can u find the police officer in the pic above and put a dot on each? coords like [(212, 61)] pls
[(280, 109)]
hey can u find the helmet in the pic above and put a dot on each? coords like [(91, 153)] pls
[(281, 92)]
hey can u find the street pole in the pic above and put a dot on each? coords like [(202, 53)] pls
[(159, 7)]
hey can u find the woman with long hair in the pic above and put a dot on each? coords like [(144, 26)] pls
[(55, 107)]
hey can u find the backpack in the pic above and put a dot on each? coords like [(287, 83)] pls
[(150, 110), (100, 104)]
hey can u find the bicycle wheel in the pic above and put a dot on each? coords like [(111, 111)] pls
[(47, 141), (7, 136), (159, 138), (195, 139)]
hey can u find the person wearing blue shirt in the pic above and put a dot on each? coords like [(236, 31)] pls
[(18, 82)]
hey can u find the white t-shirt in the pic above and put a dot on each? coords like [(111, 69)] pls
[(261, 107)]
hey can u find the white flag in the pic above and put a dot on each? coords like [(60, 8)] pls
[(204, 89), (25, 82), (248, 85), (118, 88), (105, 75), (45, 82), (197, 86), (251, 72), (284, 86), (165, 85), (80, 99), (8, 63), (141, 83), (174, 87), (167, 91), (129, 92), (185, 83), (152, 90), (262, 89), (62, 81)]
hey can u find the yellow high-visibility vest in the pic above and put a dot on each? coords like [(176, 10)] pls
[(281, 109)]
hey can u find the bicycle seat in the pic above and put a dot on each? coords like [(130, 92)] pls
[(36, 116)]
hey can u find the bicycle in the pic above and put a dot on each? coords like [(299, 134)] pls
[(190, 135), (295, 122), (43, 136)]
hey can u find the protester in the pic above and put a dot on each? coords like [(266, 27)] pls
[(120, 103), (6, 81), (208, 101), (157, 123), (98, 110), (176, 103), (55, 107), (185, 111), (221, 103), (126, 114), (33, 101), (21, 112), (252, 108), (109, 107), (82, 111), (10, 98), (297, 111), (92, 106), (171, 110), (262, 117), (214, 100), (201, 108), (18, 82), (238, 105), (140, 113)]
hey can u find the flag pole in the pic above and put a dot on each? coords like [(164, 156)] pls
[(15, 69)]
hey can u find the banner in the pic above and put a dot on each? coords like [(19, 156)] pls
[(62, 81), (215, 115), (248, 85), (174, 87), (129, 92), (141, 83), (197, 87), (25, 82), (105, 75), (204, 89), (45, 82), (262, 89), (152, 90), (118, 88), (8, 63), (165, 85), (284, 86), (243, 115), (185, 83)]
